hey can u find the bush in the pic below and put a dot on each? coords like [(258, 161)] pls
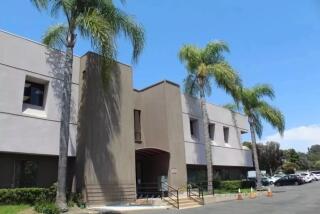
[(233, 185), (27, 195), (46, 208)]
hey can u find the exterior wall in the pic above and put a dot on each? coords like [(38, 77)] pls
[(223, 154), (106, 153), (38, 131), (161, 126)]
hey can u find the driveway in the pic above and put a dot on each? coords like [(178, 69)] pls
[(303, 199)]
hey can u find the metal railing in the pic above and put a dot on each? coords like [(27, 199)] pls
[(204, 185), (195, 192), (172, 194)]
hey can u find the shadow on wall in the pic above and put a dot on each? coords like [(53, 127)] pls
[(99, 125), (55, 59)]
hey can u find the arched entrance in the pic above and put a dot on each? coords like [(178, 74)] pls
[(152, 167)]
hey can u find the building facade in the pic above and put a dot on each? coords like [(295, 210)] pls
[(120, 138)]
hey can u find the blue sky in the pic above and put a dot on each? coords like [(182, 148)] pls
[(275, 42)]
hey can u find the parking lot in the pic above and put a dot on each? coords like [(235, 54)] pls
[(286, 200)]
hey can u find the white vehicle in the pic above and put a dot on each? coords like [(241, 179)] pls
[(306, 176), (274, 178), (316, 175)]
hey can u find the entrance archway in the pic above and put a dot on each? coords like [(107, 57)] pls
[(152, 167)]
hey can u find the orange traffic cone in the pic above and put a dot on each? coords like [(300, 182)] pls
[(252, 194), (269, 193), (239, 195)]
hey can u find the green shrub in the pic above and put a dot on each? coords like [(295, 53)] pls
[(46, 208), (27, 195), (230, 185), (246, 184)]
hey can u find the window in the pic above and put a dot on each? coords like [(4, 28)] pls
[(137, 126), (226, 134), (211, 128), (26, 172), (33, 93), (193, 127)]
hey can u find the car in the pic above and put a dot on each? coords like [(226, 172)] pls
[(307, 177), (316, 174), (289, 180), (274, 178)]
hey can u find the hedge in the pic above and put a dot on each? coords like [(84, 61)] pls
[(230, 184), (27, 195)]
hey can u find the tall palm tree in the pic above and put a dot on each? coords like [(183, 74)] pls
[(100, 22), (256, 108), (205, 65)]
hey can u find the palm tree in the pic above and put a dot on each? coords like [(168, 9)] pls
[(205, 65), (252, 104), (100, 22)]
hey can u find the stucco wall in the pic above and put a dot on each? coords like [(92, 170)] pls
[(223, 154), (105, 153), (38, 131), (161, 126)]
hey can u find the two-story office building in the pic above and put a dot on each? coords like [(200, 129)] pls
[(120, 138)]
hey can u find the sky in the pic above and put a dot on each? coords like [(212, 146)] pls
[(271, 41)]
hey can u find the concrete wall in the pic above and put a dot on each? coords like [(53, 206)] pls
[(161, 126), (29, 130), (223, 154), (106, 153)]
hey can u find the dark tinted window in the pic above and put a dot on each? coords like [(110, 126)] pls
[(33, 93), (137, 126), (211, 128)]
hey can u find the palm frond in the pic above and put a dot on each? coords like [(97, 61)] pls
[(263, 90), (191, 85), (273, 116), (40, 4), (226, 78), (55, 36), (191, 56), (213, 52), (232, 107), (132, 30)]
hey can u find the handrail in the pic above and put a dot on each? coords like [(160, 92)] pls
[(203, 184), (195, 196), (173, 194)]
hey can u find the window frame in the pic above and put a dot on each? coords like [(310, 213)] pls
[(194, 128)]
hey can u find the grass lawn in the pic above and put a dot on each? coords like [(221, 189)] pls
[(13, 209)]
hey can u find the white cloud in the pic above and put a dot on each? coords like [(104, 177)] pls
[(299, 138)]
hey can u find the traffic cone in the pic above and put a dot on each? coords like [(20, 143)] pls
[(269, 193), (252, 194), (239, 195)]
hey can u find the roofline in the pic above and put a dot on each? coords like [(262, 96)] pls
[(92, 52), (33, 41), (156, 84), (215, 105)]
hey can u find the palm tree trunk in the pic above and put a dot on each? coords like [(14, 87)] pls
[(255, 153), (61, 199), (207, 141)]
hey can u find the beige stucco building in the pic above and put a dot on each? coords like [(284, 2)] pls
[(120, 138)]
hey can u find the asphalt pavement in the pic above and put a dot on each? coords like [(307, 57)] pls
[(304, 199)]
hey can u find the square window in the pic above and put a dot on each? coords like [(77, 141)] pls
[(194, 128), (226, 134), (33, 93), (211, 128)]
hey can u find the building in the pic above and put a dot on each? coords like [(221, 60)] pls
[(120, 138)]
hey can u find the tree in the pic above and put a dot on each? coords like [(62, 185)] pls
[(252, 104), (291, 156), (205, 65), (269, 155), (289, 168), (100, 22)]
